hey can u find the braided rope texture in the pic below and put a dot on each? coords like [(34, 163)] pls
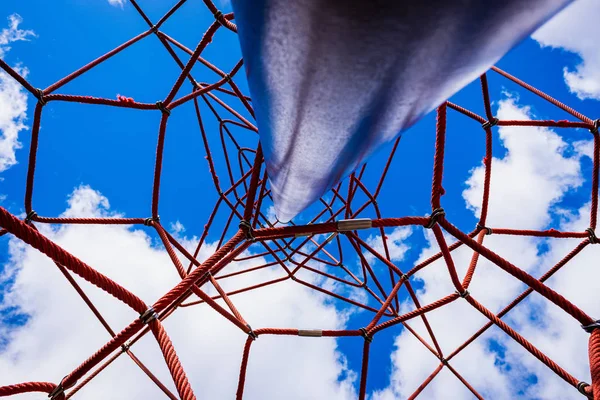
[(287, 247)]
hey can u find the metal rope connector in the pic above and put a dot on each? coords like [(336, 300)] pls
[(591, 327), (464, 294), (148, 316), (161, 106), (310, 332), (39, 94), (251, 333), (125, 347), (247, 228), (438, 212), (444, 361), (354, 224), (581, 388), (30, 216), (148, 221), (488, 231), (489, 124), (154, 29), (596, 126), (218, 15), (592, 236), (58, 390), (227, 78), (366, 335)]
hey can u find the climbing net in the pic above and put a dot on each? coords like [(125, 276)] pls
[(338, 227)]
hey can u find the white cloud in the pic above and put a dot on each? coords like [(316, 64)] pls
[(527, 182), (61, 332), (576, 30), (117, 3), (396, 243), (13, 98)]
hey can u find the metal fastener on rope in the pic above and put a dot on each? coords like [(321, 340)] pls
[(148, 221), (161, 106), (366, 335), (596, 126), (301, 234), (30, 216), (581, 388), (354, 224), (154, 28), (125, 347), (227, 78), (488, 231), (218, 15), (464, 294), (148, 316), (310, 333), (39, 94), (489, 124), (444, 361), (438, 212), (251, 333), (591, 327), (247, 228), (58, 390), (592, 236)]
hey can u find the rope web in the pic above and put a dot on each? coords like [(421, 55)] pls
[(318, 247)]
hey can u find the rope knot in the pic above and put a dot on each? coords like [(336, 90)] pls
[(433, 218)]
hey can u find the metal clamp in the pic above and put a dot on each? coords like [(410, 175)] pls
[(154, 28), (592, 236), (30, 216), (148, 221), (366, 335), (464, 294), (251, 333), (444, 361), (161, 106), (247, 228), (438, 212), (148, 316), (58, 390), (310, 332), (218, 15), (39, 94), (354, 224), (488, 231), (591, 327), (489, 124), (596, 126), (581, 388)]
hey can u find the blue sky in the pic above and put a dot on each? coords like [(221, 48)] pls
[(96, 155)]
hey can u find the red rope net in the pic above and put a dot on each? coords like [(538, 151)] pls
[(295, 247)]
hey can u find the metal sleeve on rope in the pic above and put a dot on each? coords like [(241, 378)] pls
[(592, 236), (148, 221), (489, 124), (247, 228), (251, 333), (354, 224), (161, 106), (438, 212), (148, 316), (58, 390), (310, 332), (596, 126), (30, 216), (39, 94), (488, 231), (366, 335), (581, 388), (590, 328)]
